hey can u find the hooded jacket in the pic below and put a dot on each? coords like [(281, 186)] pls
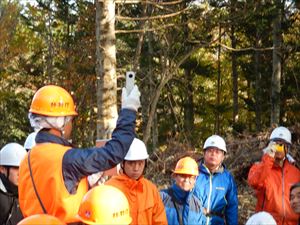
[(272, 184), (218, 194), (9, 203), (146, 206), (188, 206)]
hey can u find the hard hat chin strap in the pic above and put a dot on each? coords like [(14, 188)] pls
[(7, 171)]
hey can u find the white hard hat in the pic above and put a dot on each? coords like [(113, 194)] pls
[(137, 151), (281, 133), (30, 141), (12, 154), (261, 218), (215, 141)]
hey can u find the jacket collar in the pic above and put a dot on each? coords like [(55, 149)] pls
[(204, 169), (131, 183), (2, 187), (8, 187), (179, 193), (44, 136)]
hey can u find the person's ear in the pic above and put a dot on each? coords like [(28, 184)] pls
[(287, 148), (3, 170), (122, 165)]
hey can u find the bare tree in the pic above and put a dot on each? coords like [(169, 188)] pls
[(106, 68)]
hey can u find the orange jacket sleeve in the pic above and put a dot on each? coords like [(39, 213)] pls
[(259, 171), (146, 206), (159, 215)]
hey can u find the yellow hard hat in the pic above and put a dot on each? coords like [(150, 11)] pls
[(52, 100), (104, 204), (187, 165), (41, 219)]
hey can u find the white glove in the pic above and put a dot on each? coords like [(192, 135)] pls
[(97, 179), (270, 149), (131, 100)]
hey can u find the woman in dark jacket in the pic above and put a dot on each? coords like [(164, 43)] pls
[(182, 207), (10, 158)]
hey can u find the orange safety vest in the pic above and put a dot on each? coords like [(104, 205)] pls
[(46, 166), (146, 206), (272, 185)]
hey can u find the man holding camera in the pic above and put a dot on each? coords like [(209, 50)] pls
[(273, 176)]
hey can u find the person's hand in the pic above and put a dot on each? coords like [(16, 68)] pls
[(131, 100), (97, 179), (270, 149)]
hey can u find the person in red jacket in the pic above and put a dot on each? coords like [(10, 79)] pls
[(53, 175), (146, 206), (273, 177)]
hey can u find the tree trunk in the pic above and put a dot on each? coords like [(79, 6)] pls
[(276, 75), (106, 68), (217, 122), (49, 65), (258, 95), (152, 112), (188, 105), (234, 75), (147, 98), (142, 24)]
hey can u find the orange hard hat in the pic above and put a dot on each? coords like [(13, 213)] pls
[(187, 165), (52, 100), (104, 204), (41, 219)]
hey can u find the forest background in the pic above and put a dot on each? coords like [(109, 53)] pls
[(203, 67)]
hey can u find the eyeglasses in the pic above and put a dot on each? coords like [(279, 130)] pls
[(213, 150), (186, 176)]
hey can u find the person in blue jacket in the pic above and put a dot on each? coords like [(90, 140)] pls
[(182, 207), (215, 186)]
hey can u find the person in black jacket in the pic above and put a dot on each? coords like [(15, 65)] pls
[(10, 158)]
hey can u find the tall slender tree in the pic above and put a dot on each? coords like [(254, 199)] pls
[(106, 68), (276, 74)]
